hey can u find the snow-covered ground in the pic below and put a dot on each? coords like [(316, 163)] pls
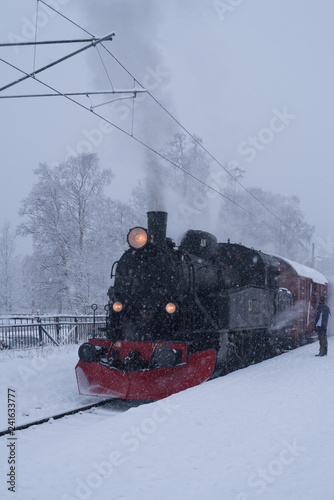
[(265, 432), (44, 382)]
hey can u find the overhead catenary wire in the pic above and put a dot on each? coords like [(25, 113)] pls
[(161, 155), (104, 66), (50, 42), (139, 141), (281, 223), (133, 111), (196, 140), (81, 28), (67, 18), (87, 93), (172, 117), (179, 123), (54, 63)]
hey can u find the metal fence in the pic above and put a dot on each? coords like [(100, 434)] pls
[(26, 331)]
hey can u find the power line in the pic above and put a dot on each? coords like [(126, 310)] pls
[(62, 59), (139, 141), (49, 42), (98, 92), (195, 139), (171, 116), (67, 18), (67, 95)]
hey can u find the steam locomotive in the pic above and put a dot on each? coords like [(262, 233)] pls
[(179, 316)]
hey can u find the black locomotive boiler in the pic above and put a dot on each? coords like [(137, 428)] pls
[(179, 316)]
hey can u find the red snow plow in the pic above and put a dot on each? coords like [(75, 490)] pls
[(140, 370)]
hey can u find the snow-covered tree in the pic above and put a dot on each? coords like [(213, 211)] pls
[(280, 230), (61, 214), (175, 185), (193, 166), (109, 242), (252, 216), (9, 270)]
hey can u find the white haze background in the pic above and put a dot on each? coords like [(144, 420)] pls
[(224, 69), (222, 75)]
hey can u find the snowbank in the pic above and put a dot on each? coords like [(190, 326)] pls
[(262, 432)]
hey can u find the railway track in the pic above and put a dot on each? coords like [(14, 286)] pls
[(59, 416), (121, 404)]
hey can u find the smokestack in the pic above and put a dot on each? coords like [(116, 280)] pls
[(157, 227)]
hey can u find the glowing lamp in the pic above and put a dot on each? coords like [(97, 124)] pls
[(170, 308), (117, 306), (137, 237)]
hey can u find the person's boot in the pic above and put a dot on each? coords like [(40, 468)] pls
[(323, 347)]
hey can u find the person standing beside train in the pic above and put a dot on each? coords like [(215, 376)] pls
[(321, 321)]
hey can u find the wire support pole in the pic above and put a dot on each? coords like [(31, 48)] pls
[(62, 59), (50, 42), (98, 92)]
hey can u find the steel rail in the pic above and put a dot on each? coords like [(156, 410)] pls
[(54, 417)]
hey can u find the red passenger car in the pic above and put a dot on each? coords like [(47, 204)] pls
[(306, 285)]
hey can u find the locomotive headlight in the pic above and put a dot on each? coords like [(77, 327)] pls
[(117, 306), (170, 308), (137, 237)]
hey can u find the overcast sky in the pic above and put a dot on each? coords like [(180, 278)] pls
[(252, 78)]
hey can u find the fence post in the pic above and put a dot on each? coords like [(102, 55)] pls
[(58, 328), (94, 307), (40, 331), (76, 335)]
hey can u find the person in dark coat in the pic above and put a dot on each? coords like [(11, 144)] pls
[(321, 321)]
